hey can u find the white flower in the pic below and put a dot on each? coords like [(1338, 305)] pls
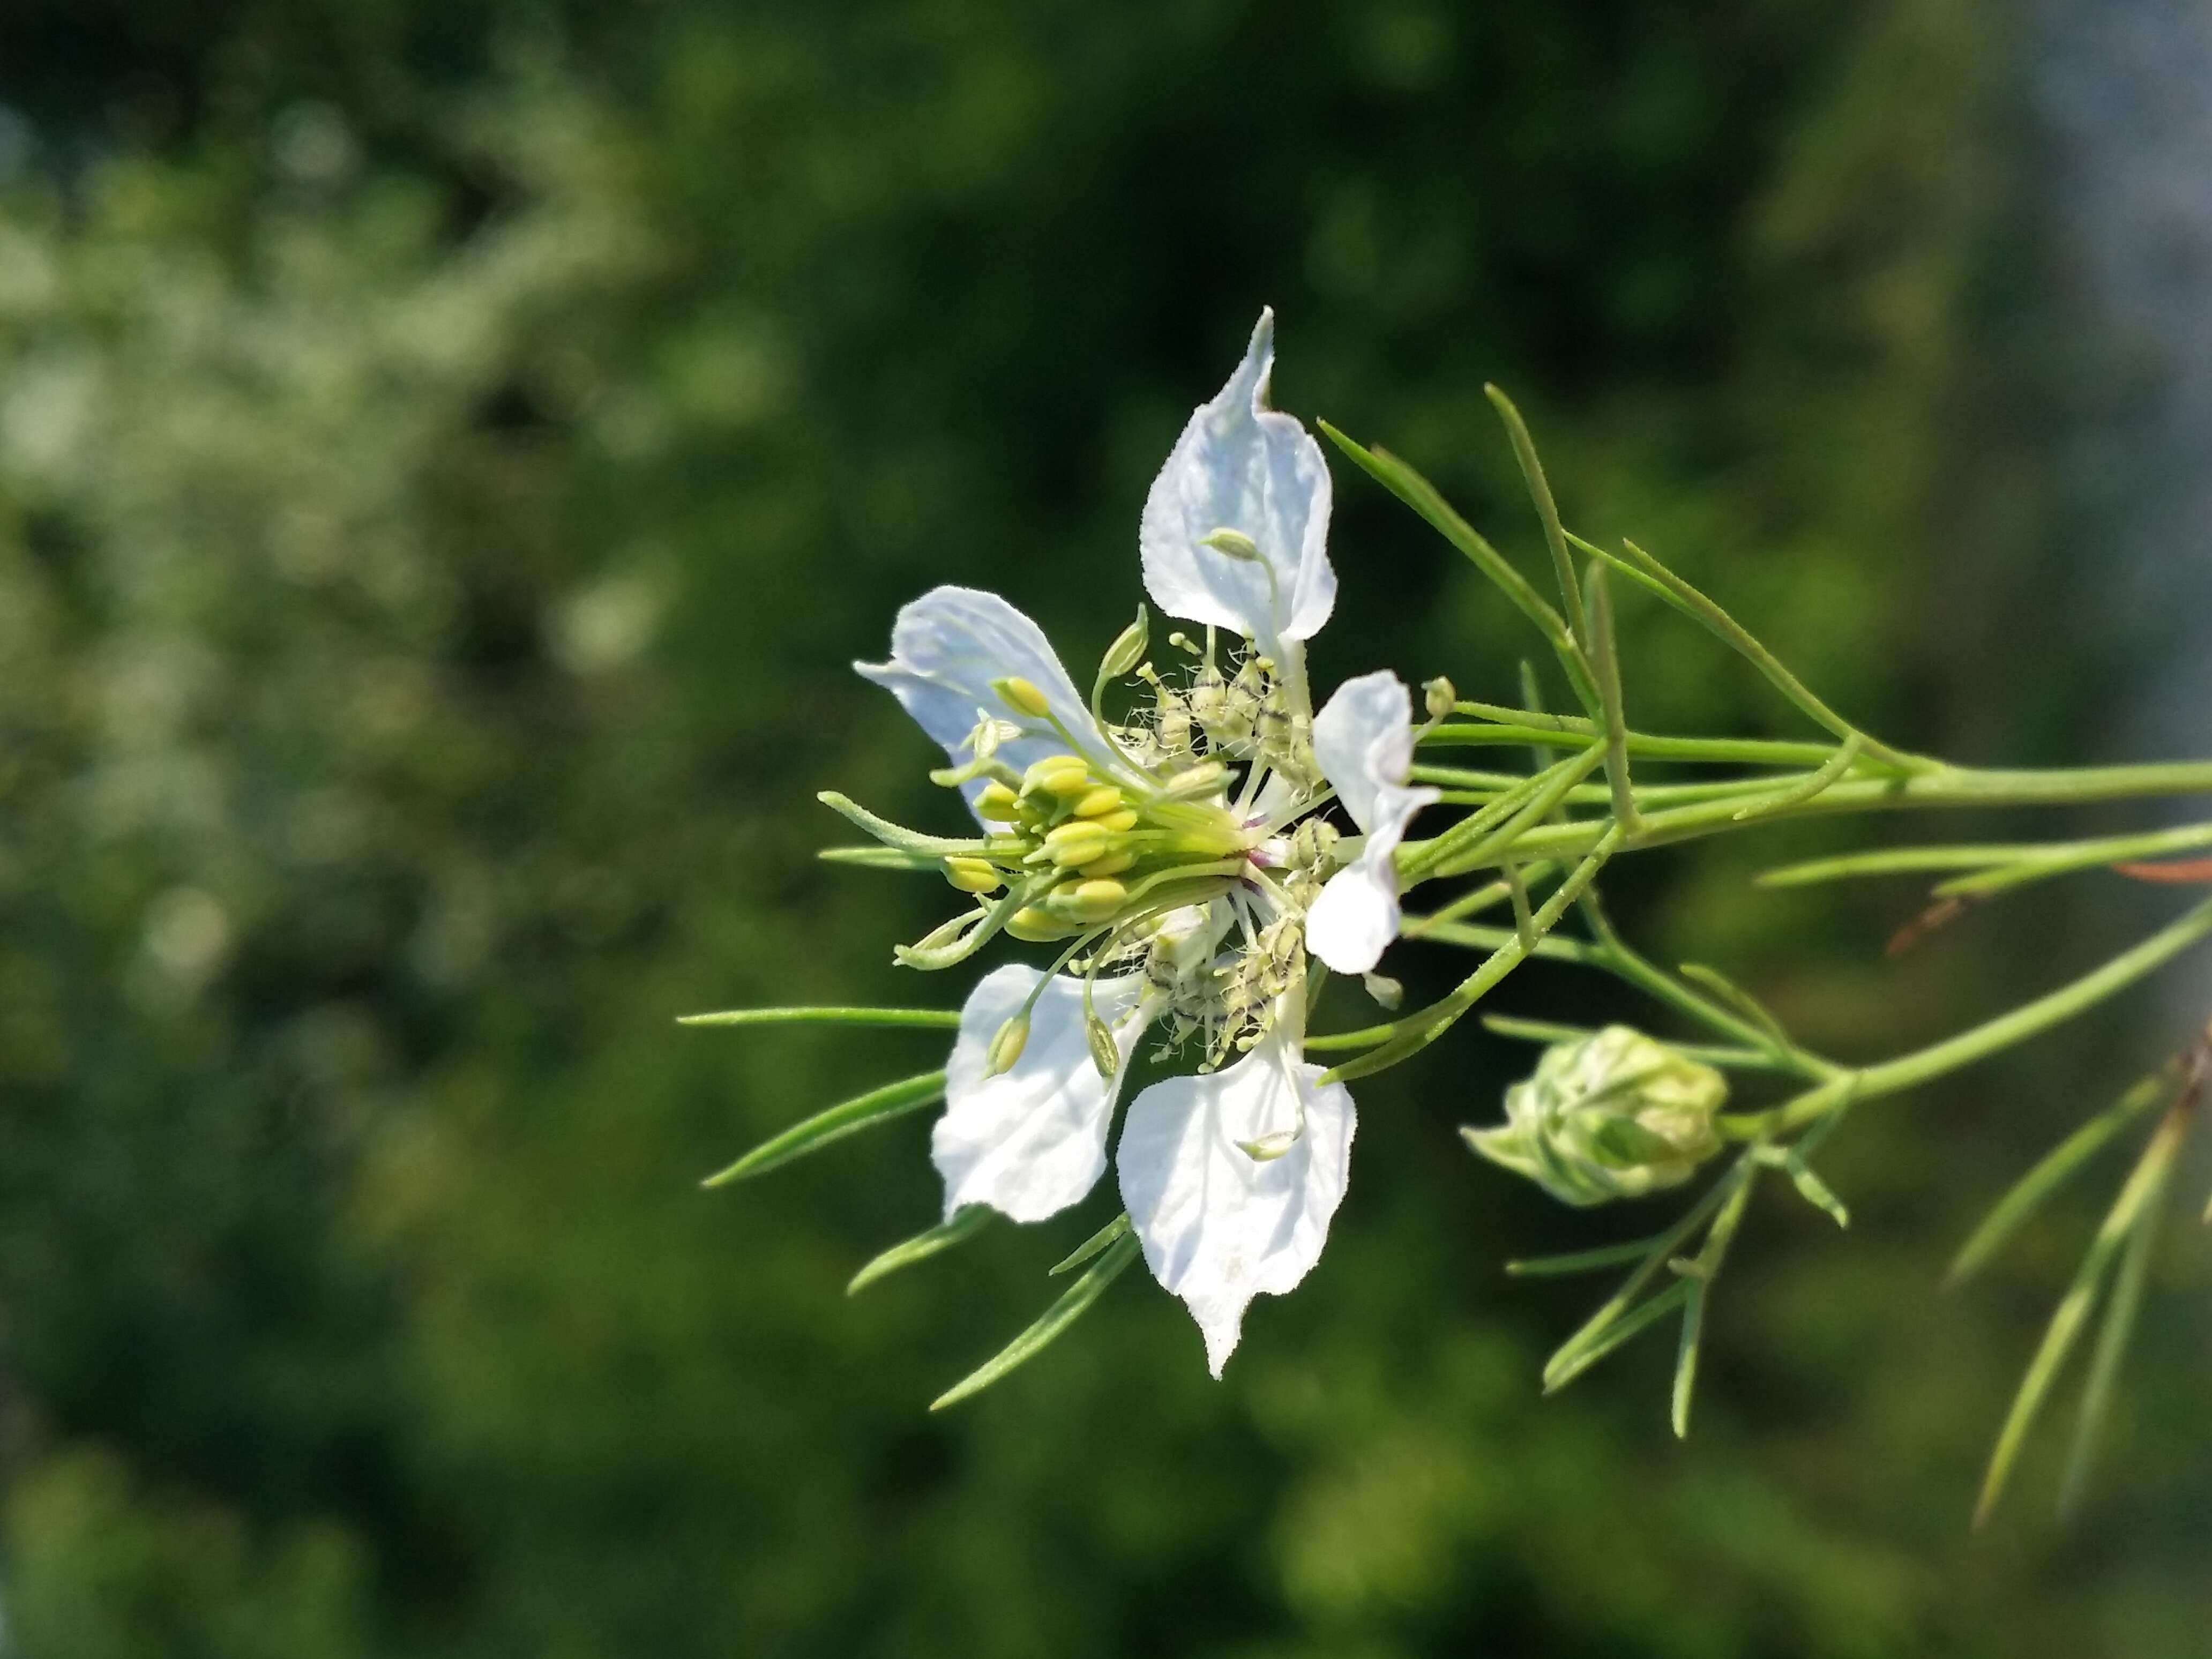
[(1142, 846), (1363, 740), (1218, 1225)]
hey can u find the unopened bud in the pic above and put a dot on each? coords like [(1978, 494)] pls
[(1440, 697), (1022, 696), (1128, 648), (1006, 1046), (1614, 1114), (1233, 543), (1112, 864)]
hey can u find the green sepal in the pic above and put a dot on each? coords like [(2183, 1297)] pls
[(825, 1128)]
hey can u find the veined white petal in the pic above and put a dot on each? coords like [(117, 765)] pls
[(947, 648), (1363, 740), (1031, 1140), (1218, 1226), (1241, 466)]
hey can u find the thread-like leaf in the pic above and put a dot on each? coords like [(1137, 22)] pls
[(2074, 1308), (1685, 1357), (1563, 1367), (1579, 1261), (826, 1128), (2027, 1195), (1074, 1303), (1737, 997), (2112, 1334), (966, 1223), (1090, 1246), (932, 1019), (897, 834)]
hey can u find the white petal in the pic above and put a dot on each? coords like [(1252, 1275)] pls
[(947, 648), (1217, 1226), (1363, 740), (1240, 465), (1032, 1140)]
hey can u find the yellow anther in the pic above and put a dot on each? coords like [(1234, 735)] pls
[(1022, 696), (1120, 822), (1087, 900), (1097, 803), (1007, 1045), (1063, 776), (971, 875), (1077, 842), (999, 803), (1037, 926), (1112, 864)]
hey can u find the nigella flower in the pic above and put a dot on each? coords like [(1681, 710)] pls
[(1177, 855)]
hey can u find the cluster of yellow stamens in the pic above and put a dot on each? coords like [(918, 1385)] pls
[(1089, 837)]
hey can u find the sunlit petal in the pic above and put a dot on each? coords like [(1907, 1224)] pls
[(948, 647), (1243, 467), (1219, 1227), (1032, 1140)]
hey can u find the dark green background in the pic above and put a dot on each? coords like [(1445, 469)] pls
[(449, 454)]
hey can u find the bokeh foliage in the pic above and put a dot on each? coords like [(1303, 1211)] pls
[(447, 454)]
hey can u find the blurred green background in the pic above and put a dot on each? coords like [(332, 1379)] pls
[(449, 453)]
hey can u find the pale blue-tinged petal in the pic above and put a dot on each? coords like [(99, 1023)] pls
[(1030, 1141), (1218, 1226), (948, 646), (1241, 466), (1363, 740)]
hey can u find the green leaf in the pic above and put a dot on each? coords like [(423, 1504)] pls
[(1581, 1262), (2116, 1327), (1418, 493), (1685, 1357), (1074, 1303), (933, 1018), (2028, 1193), (826, 1128), (2135, 1205), (1737, 997), (1090, 1246), (966, 1223), (1572, 1361)]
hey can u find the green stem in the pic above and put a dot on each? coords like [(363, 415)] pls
[(1909, 1071), (1951, 786)]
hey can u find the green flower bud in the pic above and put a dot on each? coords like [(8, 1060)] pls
[(1615, 1114)]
